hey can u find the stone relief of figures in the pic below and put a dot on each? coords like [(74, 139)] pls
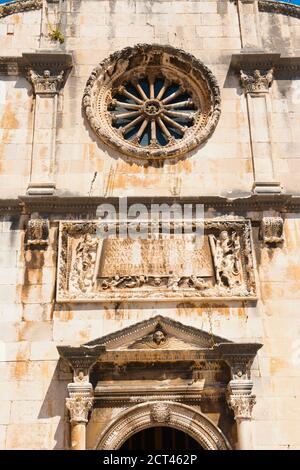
[(229, 249), (226, 255), (82, 274)]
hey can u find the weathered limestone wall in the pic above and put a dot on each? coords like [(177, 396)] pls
[(34, 385), (32, 408)]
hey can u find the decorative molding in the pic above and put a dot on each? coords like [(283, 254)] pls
[(182, 417), (37, 233), (279, 7), (225, 266), (257, 83), (272, 230), (20, 7), (108, 82)]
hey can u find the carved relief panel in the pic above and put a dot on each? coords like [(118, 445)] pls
[(96, 268)]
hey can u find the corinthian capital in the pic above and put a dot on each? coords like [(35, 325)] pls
[(45, 83), (79, 408), (240, 398), (257, 83), (80, 402)]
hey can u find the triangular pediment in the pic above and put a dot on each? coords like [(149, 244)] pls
[(158, 333)]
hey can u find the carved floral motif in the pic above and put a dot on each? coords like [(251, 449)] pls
[(152, 101), (79, 408)]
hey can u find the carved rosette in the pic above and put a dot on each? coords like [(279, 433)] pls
[(46, 83), (256, 82), (160, 412), (152, 101), (272, 230)]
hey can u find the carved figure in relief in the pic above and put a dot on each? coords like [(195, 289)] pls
[(226, 254), (159, 337), (84, 263)]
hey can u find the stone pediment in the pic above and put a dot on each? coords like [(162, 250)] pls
[(160, 339), (158, 333)]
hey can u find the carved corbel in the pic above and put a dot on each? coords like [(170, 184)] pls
[(272, 230), (255, 82), (37, 233)]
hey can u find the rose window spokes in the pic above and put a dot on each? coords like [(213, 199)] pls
[(152, 111)]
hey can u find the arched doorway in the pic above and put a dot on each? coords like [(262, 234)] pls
[(162, 414), (161, 438)]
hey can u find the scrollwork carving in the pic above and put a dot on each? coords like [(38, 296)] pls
[(79, 407), (46, 83)]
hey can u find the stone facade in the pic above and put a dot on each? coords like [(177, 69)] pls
[(217, 348)]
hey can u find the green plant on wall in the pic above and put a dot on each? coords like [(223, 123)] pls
[(55, 34)]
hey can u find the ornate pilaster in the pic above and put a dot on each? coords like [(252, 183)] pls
[(47, 73), (241, 400), (256, 85), (79, 405)]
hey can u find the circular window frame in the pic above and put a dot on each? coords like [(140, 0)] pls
[(182, 68)]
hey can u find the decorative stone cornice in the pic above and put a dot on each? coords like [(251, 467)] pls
[(240, 398), (46, 83), (272, 230), (19, 7), (80, 402), (279, 7), (256, 82)]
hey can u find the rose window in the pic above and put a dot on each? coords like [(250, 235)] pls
[(152, 111), (152, 101)]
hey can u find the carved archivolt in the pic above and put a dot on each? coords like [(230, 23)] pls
[(152, 101), (176, 415), (92, 268)]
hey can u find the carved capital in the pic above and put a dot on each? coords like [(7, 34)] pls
[(80, 402), (240, 398), (37, 234), (160, 412), (272, 230), (46, 83), (256, 82)]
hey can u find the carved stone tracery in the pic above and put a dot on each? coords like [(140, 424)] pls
[(152, 101)]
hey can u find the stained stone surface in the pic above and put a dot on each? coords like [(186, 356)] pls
[(34, 320)]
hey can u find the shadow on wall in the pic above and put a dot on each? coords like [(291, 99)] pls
[(54, 407)]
